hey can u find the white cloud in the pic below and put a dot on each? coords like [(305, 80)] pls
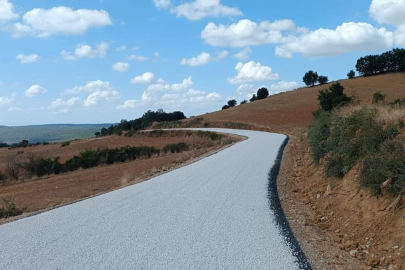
[(14, 109), (146, 78), (388, 11), (253, 72), (174, 96), (199, 9), (120, 67), (35, 90), (138, 58), (161, 4), (121, 49), (283, 87), (58, 103), (26, 59), (93, 86), (95, 98), (346, 38), (156, 54), (400, 36), (84, 50), (7, 11), (246, 91), (5, 101), (59, 20), (202, 59), (243, 54), (247, 33), (223, 54)]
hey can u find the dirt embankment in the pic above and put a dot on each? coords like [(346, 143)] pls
[(43, 193), (339, 225)]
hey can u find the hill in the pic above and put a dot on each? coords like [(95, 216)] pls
[(48, 133)]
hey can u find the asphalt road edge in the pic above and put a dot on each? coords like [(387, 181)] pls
[(280, 218)]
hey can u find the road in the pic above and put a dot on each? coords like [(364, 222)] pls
[(212, 214)]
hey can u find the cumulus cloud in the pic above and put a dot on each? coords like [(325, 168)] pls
[(388, 11), (121, 66), (99, 96), (175, 95), (138, 58), (5, 101), (243, 54), (223, 54), (35, 90), (162, 4), (58, 103), (199, 9), (253, 72), (246, 91), (26, 59), (202, 59), (84, 50), (92, 86), (345, 38), (246, 33), (7, 11), (283, 86), (121, 49), (146, 78), (59, 21), (400, 36)]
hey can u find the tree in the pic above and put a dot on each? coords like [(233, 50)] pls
[(254, 98), (97, 134), (243, 102), (333, 97), (262, 93), (310, 78), (225, 107), (351, 74), (323, 79), (232, 103)]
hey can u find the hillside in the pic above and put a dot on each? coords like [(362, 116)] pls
[(288, 111), (48, 133)]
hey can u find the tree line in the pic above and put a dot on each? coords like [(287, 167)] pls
[(390, 61), (142, 123)]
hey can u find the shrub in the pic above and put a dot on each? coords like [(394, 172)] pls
[(254, 98), (323, 79), (175, 148), (333, 97), (351, 74), (243, 102), (3, 177), (378, 98), (262, 93), (225, 107), (64, 144), (232, 103), (318, 135), (10, 210), (13, 167)]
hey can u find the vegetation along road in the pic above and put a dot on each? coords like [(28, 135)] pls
[(218, 213)]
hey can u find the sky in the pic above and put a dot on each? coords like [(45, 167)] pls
[(100, 61)]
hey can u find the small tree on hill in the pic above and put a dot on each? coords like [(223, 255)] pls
[(225, 107), (323, 79), (243, 102), (351, 74), (254, 98), (262, 93), (232, 103), (332, 97), (310, 78)]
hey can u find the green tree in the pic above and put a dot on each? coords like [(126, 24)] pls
[(262, 93), (310, 78), (243, 102), (232, 103), (225, 107), (323, 79), (351, 74), (332, 97), (254, 98)]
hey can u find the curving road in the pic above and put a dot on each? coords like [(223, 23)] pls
[(212, 214)]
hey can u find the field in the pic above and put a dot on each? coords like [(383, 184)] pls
[(48, 133), (40, 193)]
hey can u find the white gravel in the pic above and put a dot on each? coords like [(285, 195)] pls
[(212, 214)]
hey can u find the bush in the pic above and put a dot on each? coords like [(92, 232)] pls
[(232, 103), (175, 148), (64, 144), (323, 79), (3, 177), (333, 98), (254, 98), (13, 167), (10, 210), (318, 135), (243, 102), (351, 74), (225, 107), (262, 93), (378, 98)]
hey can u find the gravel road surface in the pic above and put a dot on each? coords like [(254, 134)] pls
[(212, 214)]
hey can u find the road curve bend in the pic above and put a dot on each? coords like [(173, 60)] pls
[(212, 214)]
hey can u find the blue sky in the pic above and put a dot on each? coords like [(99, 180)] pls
[(100, 61)]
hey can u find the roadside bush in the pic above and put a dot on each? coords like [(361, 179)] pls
[(9, 210), (39, 166), (233, 125), (209, 135), (175, 148), (318, 134)]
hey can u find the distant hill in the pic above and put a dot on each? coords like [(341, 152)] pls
[(48, 133)]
